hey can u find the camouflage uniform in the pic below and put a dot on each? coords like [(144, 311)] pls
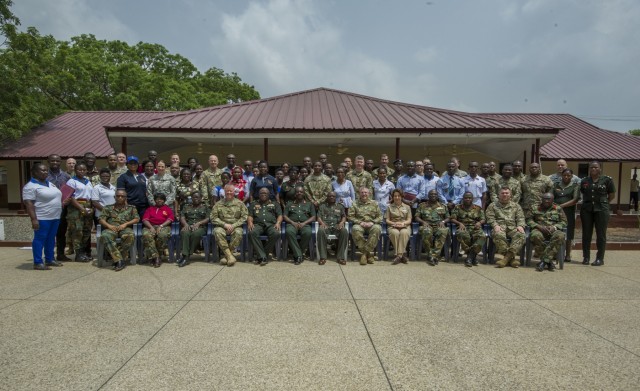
[(205, 187), (331, 215), (365, 212), (513, 184), (162, 184), (553, 216), (492, 180), (508, 217), (363, 179), (299, 212), (519, 177), (154, 245), (191, 239), (213, 176), (114, 216), (433, 215), (115, 174), (316, 188), (264, 216), (183, 194), (533, 189), (232, 212), (469, 217)]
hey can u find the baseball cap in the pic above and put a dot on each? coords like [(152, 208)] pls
[(132, 159)]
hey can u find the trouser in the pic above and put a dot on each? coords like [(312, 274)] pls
[(502, 244), (471, 238), (633, 199), (323, 238), (61, 235), (439, 237), (80, 228), (599, 221), (305, 237), (547, 251), (191, 240), (399, 239), (126, 241), (153, 244), (220, 235), (369, 245), (44, 238), (272, 237)]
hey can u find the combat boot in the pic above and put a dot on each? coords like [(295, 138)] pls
[(363, 259), (230, 258), (567, 257), (503, 262), (551, 266), (540, 266)]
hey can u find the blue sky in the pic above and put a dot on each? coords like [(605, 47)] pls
[(560, 56)]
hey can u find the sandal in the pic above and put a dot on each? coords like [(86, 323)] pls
[(322, 262)]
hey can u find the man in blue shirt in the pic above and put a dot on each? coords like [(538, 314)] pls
[(450, 187), (412, 185)]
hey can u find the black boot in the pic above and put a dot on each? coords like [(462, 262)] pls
[(585, 261), (551, 266), (540, 266)]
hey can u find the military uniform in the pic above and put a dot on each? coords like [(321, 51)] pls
[(520, 177), (492, 181), (533, 189), (509, 217), (366, 212), (205, 187), (553, 216), (316, 188), (362, 179), (154, 245), (191, 239), (469, 217), (118, 216), (213, 176), (563, 194), (184, 192), (331, 215), (288, 191), (595, 212), (433, 215), (512, 183), (115, 174), (299, 212), (264, 217), (161, 184), (232, 212)]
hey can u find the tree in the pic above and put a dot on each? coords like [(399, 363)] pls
[(43, 77), (634, 132)]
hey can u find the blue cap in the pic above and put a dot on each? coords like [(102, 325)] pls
[(132, 159)]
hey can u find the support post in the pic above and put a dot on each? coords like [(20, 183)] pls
[(524, 162), (619, 185), (265, 146), (397, 148), (123, 146), (537, 151)]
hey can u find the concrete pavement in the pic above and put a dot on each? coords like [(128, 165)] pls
[(310, 327)]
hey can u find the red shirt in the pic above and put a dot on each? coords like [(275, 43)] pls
[(158, 215)]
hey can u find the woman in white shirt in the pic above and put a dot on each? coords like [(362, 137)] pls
[(43, 201), (345, 193), (382, 188)]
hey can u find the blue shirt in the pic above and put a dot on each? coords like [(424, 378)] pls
[(136, 188), (412, 185), (264, 181), (450, 189)]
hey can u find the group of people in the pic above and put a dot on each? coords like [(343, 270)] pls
[(156, 194)]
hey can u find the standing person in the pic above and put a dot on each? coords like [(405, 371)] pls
[(432, 216), (80, 213), (349, 164), (92, 171), (366, 218), (288, 188), (450, 187), (398, 218), (317, 186), (43, 201), (231, 163), (212, 174), (458, 172), (412, 186), (285, 169), (228, 216), (359, 177), (633, 192), (469, 219), (597, 192), (303, 173), (492, 176), (122, 162), (419, 164), (384, 163), (263, 179), (174, 170), (218, 191), (59, 178), (104, 193), (264, 218), (162, 182), (70, 164), (117, 220), (175, 159), (382, 189), (248, 171), (506, 219), (547, 222), (430, 178), (322, 158), (193, 220), (156, 231), (368, 166), (149, 170), (184, 191), (345, 193), (328, 171), (556, 177), (517, 170), (534, 186), (203, 183), (279, 175), (566, 195), (332, 220), (299, 214), (398, 166), (509, 181), (114, 169), (135, 185), (240, 185), (191, 164), (476, 185), (306, 163)]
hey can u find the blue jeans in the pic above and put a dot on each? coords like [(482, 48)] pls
[(45, 237)]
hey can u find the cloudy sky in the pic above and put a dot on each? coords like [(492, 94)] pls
[(562, 56)]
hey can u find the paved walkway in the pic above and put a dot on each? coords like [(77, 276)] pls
[(307, 327)]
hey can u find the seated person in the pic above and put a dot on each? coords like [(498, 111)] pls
[(547, 222), (299, 214), (398, 218), (157, 220), (228, 216), (332, 221), (507, 221), (264, 218), (193, 220), (469, 219), (432, 216), (366, 217), (116, 221)]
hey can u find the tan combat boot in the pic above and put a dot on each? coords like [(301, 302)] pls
[(230, 258), (363, 259), (515, 262)]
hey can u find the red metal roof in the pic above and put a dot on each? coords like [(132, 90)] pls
[(72, 134), (579, 140), (326, 109)]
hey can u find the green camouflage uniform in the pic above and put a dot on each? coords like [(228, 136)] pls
[(79, 226), (115, 174), (264, 216), (469, 217), (183, 194), (513, 184), (533, 189), (232, 212), (492, 180), (299, 212), (433, 215), (213, 176), (519, 177), (161, 184), (114, 216), (553, 216), (368, 212), (191, 239), (331, 215), (316, 188), (358, 180), (508, 217)]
